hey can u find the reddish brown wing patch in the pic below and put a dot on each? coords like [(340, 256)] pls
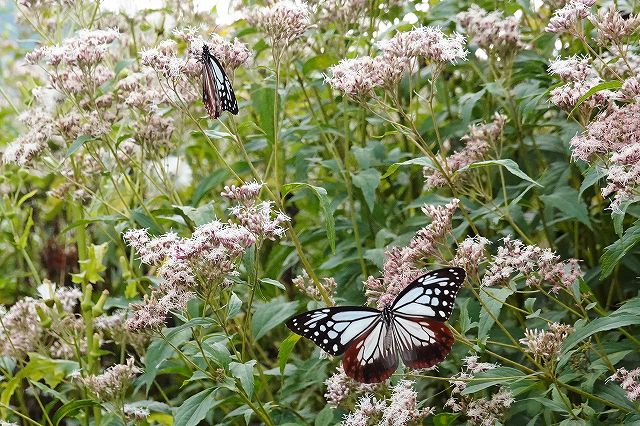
[(209, 93), (369, 359), (428, 347)]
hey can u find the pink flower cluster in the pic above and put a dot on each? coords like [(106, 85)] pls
[(204, 261), (629, 381), (546, 344), (479, 411), (209, 256), (399, 410), (306, 286), (31, 144), (86, 49), (400, 268), (612, 27), (470, 253), (568, 18), (340, 387), (284, 21), (477, 143), (615, 137), (579, 77), (360, 76), (491, 31), (538, 265)]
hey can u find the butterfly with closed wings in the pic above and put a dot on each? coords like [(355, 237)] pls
[(217, 93), (411, 328)]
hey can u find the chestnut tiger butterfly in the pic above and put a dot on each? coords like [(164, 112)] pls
[(411, 328), (217, 93)]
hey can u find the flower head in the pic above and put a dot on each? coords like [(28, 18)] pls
[(284, 21), (546, 344)]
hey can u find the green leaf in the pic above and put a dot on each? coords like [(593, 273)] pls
[(274, 283), (492, 300), (467, 102), (325, 417), (218, 353), (195, 409), (445, 419), (567, 200), (207, 184), (591, 177), (325, 205), (234, 306), (318, 63), (614, 253), (485, 379), (53, 371), (72, 408), (598, 325), (244, 373), (511, 166), (146, 222), (421, 161), (614, 84), (263, 99), (194, 322), (367, 180), (270, 315), (76, 144), (285, 350)]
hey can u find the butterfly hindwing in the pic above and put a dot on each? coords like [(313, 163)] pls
[(372, 357), (422, 343), (334, 329), (431, 295), (217, 92)]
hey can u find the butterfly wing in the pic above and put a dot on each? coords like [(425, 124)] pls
[(334, 329), (423, 340), (217, 92), (210, 96), (422, 343), (372, 357), (431, 296)]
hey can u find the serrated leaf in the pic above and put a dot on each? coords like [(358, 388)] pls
[(195, 409), (511, 166), (614, 84), (244, 373), (270, 315), (368, 181), (420, 161), (598, 325), (614, 253), (567, 200)]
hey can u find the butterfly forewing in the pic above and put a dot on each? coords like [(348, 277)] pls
[(217, 92), (334, 329), (432, 295), (372, 357)]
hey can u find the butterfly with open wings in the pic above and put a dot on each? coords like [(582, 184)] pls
[(217, 93), (411, 328)]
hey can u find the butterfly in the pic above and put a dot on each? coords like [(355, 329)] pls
[(217, 93), (411, 328)]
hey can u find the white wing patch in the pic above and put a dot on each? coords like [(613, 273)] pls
[(432, 295), (333, 329)]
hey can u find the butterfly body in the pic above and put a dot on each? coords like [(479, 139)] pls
[(373, 341), (217, 92)]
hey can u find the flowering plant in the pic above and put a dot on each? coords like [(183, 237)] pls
[(151, 255)]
